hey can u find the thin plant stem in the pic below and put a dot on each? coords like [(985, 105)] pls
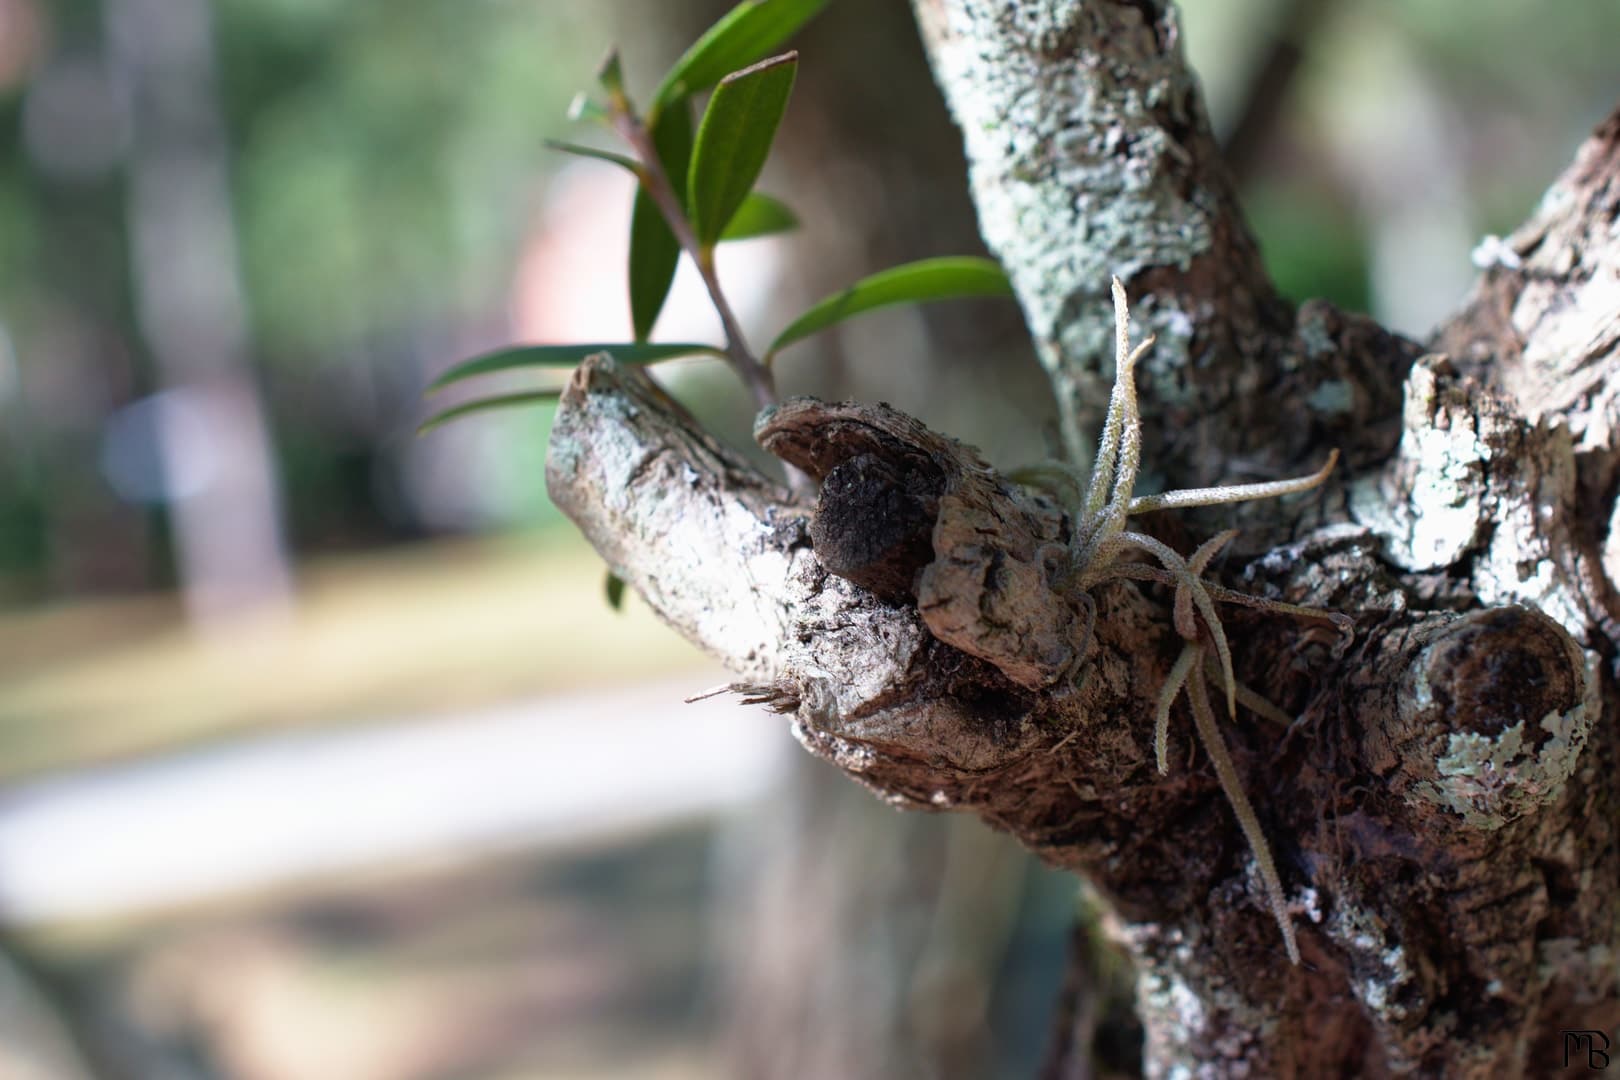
[(656, 182), (755, 375)]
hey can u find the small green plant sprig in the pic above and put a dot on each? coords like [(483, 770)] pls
[(695, 191)]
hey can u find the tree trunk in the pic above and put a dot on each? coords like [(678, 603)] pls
[(1442, 811)]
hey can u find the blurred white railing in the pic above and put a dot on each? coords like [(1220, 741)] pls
[(267, 812)]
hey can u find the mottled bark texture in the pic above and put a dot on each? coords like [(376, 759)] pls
[(1443, 811)]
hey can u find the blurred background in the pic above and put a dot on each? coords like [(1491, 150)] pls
[(321, 754)]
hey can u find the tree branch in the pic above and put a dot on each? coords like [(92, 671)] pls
[(1443, 810), (1091, 156), (936, 708), (1542, 328)]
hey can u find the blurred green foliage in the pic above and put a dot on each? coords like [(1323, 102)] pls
[(383, 160), (384, 156), (1313, 245)]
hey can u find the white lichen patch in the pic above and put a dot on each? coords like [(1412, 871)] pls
[(1379, 973), (1438, 520), (1375, 990), (1472, 480), (1309, 903), (1177, 1009), (1520, 564), (1198, 1025), (1490, 780)]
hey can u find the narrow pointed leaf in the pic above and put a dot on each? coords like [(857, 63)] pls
[(950, 278), (734, 140), (759, 215), (745, 35), (611, 73), (503, 401), (592, 152), (654, 254), (613, 588), (672, 138), (654, 251), (566, 356)]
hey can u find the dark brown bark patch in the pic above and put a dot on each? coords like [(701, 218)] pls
[(874, 523)]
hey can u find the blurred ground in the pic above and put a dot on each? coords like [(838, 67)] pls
[(581, 965), (523, 926), (450, 624)]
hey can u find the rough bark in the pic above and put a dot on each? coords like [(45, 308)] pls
[(1444, 809)]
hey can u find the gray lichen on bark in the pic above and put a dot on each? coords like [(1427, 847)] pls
[(1089, 156)]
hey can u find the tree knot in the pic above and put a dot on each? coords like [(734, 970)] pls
[(1493, 716)]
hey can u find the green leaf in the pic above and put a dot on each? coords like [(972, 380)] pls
[(592, 152), (950, 278), (611, 74), (747, 34), (733, 141), (503, 401), (654, 254), (565, 356), (759, 215), (672, 137), (654, 251), (613, 588)]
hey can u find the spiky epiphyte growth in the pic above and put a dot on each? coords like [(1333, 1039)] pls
[(1100, 513)]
